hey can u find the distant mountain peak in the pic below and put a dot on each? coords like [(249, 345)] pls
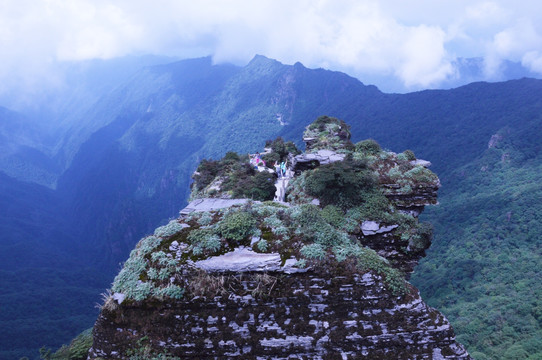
[(263, 65)]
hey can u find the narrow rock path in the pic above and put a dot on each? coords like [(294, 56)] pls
[(281, 184)]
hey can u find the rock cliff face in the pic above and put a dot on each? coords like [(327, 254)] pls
[(322, 276), (302, 316)]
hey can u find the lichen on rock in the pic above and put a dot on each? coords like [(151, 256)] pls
[(323, 275), (327, 133)]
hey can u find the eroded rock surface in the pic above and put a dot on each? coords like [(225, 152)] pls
[(211, 204), (317, 278), (301, 316), (308, 161), (244, 259)]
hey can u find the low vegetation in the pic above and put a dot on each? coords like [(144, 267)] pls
[(398, 173), (236, 176), (76, 350), (232, 177), (328, 133), (279, 150), (349, 192)]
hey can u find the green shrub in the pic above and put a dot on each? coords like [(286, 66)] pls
[(205, 173), (262, 245), (419, 174), (128, 277), (328, 133), (306, 217), (281, 230), (402, 157), (368, 146), (279, 150), (329, 236), (342, 183), (78, 348), (395, 173), (271, 158), (204, 239), (147, 245), (262, 187), (373, 206), (272, 221), (409, 155), (237, 226), (313, 251), (171, 291), (231, 157), (333, 215), (368, 260), (205, 219), (233, 175), (296, 193), (167, 230), (141, 291), (420, 237)]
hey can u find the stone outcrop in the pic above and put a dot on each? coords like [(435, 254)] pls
[(373, 228), (396, 250), (244, 259), (309, 161), (301, 316), (237, 279), (211, 205), (414, 201)]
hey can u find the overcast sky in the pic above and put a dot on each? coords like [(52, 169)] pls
[(415, 41)]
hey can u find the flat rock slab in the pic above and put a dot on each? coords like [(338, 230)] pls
[(322, 156), (420, 162), (210, 204), (372, 228), (244, 259)]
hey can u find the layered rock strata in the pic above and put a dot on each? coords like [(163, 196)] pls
[(315, 278), (301, 316)]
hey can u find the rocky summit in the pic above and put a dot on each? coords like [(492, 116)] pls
[(285, 255)]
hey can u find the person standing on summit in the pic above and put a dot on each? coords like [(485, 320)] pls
[(278, 169)]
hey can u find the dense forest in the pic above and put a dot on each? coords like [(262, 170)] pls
[(483, 269)]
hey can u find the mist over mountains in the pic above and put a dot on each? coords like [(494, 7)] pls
[(114, 159)]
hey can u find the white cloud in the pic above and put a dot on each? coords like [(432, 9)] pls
[(358, 37), (533, 61), (486, 13), (515, 43), (425, 59), (97, 32), (414, 41)]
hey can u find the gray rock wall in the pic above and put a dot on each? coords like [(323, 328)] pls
[(298, 316)]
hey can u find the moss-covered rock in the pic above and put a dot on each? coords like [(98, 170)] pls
[(346, 233), (328, 133)]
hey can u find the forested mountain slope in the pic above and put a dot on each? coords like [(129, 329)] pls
[(484, 269), (129, 159), (22, 149)]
